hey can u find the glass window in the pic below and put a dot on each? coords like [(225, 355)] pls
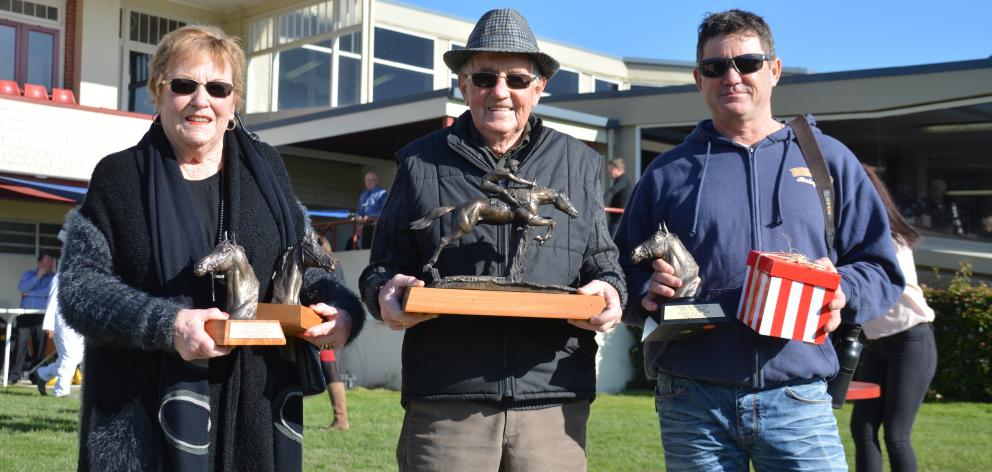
[(28, 54), (404, 48), (606, 86), (28, 238), (390, 82), (349, 80), (302, 23), (305, 76), (349, 13), (138, 99), (564, 82), (351, 42), (7, 52)]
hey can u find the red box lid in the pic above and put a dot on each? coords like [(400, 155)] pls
[(789, 266)]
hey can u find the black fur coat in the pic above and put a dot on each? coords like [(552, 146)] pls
[(107, 280)]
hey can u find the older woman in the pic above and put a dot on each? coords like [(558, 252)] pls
[(159, 393)]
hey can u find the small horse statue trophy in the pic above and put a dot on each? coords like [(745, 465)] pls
[(287, 282), (667, 246), (242, 329), (687, 314), (242, 286)]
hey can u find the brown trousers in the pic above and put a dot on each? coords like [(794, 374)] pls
[(454, 436)]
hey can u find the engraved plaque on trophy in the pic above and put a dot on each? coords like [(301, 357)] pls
[(508, 295), (242, 329), (686, 314)]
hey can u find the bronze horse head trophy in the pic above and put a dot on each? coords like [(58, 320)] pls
[(242, 286), (667, 246), (288, 280)]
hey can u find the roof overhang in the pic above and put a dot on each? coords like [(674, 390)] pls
[(405, 112), (831, 96)]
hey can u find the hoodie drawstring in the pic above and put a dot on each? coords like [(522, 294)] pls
[(699, 190), (777, 215)]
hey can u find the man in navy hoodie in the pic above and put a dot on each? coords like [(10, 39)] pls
[(739, 182)]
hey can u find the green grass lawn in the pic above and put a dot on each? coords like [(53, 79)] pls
[(38, 433)]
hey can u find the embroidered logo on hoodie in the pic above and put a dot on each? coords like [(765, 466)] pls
[(803, 175)]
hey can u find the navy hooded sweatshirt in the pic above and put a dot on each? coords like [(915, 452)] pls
[(723, 199)]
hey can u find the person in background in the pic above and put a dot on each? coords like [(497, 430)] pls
[(937, 212), (370, 204), (335, 390), (35, 286), (732, 398), (329, 365), (160, 393), (487, 393), (618, 193), (901, 357), (68, 345)]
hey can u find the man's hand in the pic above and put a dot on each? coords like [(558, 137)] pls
[(334, 331), (389, 303), (661, 286), (191, 340), (839, 300), (607, 319)]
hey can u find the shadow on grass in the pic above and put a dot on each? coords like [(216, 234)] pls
[(638, 393), (30, 423)]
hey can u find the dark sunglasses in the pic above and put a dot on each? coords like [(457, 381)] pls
[(514, 81), (188, 86), (745, 64)]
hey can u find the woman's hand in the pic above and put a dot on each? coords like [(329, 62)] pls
[(333, 332), (191, 340)]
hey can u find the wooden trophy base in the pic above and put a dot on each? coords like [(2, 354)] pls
[(449, 301), (294, 319), (245, 332)]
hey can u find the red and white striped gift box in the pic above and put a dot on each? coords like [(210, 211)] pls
[(787, 297)]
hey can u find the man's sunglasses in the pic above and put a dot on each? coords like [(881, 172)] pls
[(514, 81), (745, 64), (188, 86)]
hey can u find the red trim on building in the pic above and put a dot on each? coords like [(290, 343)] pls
[(108, 111)]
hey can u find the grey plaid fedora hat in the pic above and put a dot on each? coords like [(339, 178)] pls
[(502, 30)]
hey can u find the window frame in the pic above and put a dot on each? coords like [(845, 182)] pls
[(22, 32), (399, 65), (270, 56), (129, 45)]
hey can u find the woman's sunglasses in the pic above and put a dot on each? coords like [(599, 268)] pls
[(745, 64), (188, 86), (489, 79)]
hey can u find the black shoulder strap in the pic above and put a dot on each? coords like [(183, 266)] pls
[(821, 177)]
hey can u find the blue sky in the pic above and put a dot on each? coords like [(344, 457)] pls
[(819, 35)]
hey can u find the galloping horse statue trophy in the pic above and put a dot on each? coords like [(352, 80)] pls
[(668, 247), (523, 214), (242, 286), (288, 280)]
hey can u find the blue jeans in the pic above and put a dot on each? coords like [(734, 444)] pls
[(706, 426)]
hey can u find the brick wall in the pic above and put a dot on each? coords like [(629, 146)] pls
[(69, 80), (62, 141)]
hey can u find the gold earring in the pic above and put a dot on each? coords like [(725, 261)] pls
[(231, 125)]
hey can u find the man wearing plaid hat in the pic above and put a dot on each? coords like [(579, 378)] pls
[(495, 393)]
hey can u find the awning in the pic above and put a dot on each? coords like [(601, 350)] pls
[(43, 190)]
